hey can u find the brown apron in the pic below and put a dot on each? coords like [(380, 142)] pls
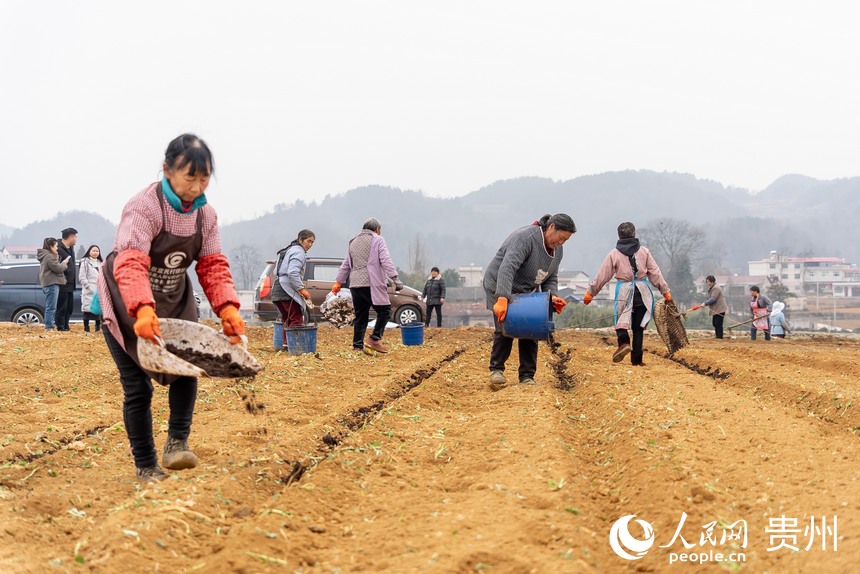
[(170, 257)]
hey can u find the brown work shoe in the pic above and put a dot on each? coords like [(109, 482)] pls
[(377, 346), (621, 352), (177, 455), (528, 381), (497, 381), (152, 473)]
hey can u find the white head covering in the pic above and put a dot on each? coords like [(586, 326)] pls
[(778, 306)]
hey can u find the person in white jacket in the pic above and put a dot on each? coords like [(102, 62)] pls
[(779, 327), (88, 275)]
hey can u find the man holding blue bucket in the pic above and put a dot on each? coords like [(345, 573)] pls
[(527, 262)]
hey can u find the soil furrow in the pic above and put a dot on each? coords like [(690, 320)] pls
[(55, 445), (359, 417)]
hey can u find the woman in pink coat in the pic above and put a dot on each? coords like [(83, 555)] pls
[(368, 266), (636, 271)]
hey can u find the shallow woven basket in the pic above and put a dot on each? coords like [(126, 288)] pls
[(670, 325)]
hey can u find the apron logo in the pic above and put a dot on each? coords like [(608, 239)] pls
[(174, 260)]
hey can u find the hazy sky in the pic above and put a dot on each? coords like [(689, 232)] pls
[(299, 100)]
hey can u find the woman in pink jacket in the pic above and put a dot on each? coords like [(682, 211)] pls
[(368, 266), (636, 271)]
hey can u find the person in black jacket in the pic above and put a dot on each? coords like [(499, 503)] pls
[(66, 300), (434, 295)]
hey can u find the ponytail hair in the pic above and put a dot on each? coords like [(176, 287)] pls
[(303, 234), (562, 222)]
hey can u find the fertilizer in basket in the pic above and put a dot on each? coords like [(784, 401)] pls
[(214, 365), (337, 308)]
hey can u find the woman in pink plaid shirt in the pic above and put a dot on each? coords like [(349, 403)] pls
[(163, 229)]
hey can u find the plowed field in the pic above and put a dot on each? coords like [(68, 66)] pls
[(406, 462)]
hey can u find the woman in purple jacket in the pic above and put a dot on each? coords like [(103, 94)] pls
[(368, 267)]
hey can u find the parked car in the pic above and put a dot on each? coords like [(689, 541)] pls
[(320, 273), (21, 298)]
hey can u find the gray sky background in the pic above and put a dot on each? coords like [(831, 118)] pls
[(299, 100)]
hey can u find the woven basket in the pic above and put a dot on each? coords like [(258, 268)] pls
[(670, 327)]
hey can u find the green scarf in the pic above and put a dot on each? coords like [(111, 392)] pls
[(176, 203)]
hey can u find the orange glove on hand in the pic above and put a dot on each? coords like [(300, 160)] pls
[(558, 304), (232, 323), (146, 325), (336, 287), (304, 293), (586, 299), (500, 309), (667, 296), (695, 307)]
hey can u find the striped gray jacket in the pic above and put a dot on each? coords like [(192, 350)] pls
[(522, 265)]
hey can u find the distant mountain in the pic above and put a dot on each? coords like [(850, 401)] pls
[(795, 215), (93, 229), (828, 211)]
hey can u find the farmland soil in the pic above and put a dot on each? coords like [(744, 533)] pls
[(406, 462)]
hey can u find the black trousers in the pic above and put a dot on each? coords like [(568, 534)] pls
[(438, 315), (65, 304), (137, 401), (91, 317), (754, 332), (362, 302), (638, 314), (717, 321), (502, 347)]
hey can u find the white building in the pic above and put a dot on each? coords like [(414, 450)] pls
[(811, 275), (576, 280), (11, 253), (473, 276)]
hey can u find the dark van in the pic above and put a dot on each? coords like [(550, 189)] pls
[(21, 298)]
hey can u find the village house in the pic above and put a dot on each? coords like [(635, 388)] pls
[(11, 253)]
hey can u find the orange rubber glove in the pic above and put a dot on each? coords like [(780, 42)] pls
[(667, 296), (558, 304), (146, 325), (336, 287), (304, 293), (500, 309), (695, 307), (232, 323), (586, 299)]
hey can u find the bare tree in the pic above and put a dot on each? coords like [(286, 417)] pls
[(418, 255), (672, 240), (713, 261), (245, 262)]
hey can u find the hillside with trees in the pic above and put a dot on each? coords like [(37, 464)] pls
[(796, 215)]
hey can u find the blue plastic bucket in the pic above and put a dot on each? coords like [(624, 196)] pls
[(278, 337), (412, 333), (529, 316), (302, 339)]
